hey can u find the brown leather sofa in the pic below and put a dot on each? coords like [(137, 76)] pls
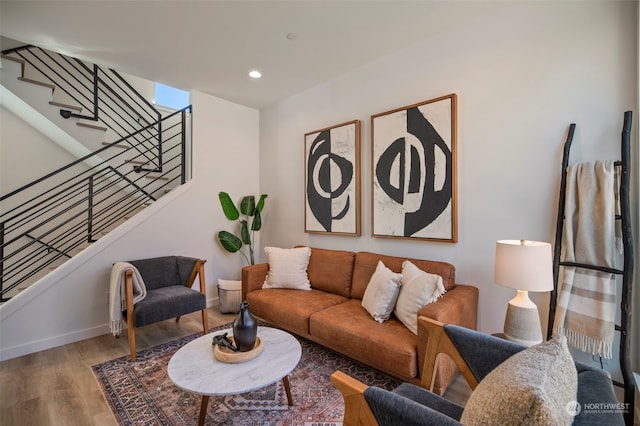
[(332, 315)]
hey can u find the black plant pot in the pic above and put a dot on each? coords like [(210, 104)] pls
[(245, 329)]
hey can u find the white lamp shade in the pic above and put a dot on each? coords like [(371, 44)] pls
[(524, 265)]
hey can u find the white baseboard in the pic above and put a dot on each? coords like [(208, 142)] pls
[(65, 339), (52, 342)]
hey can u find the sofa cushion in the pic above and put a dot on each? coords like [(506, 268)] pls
[(287, 268), (331, 270), (418, 288), (288, 308), (365, 266), (388, 345), (382, 292), (167, 302), (532, 387)]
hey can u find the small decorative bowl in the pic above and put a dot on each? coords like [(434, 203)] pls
[(224, 354)]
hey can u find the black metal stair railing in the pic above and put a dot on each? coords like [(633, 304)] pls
[(104, 94), (50, 218), (45, 221)]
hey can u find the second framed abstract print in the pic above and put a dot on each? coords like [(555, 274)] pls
[(414, 171), (332, 179)]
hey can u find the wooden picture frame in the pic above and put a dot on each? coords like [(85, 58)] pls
[(332, 180), (413, 171)]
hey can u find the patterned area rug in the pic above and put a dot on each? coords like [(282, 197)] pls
[(141, 393)]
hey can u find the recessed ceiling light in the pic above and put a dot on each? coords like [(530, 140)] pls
[(255, 74), (292, 36)]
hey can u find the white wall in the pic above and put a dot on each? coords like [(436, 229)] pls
[(70, 303), (523, 72), (25, 154)]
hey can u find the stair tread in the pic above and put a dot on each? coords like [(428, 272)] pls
[(60, 104), (156, 177), (91, 126), (135, 161), (39, 83), (116, 145)]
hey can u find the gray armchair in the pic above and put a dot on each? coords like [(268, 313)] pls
[(168, 282), (476, 355)]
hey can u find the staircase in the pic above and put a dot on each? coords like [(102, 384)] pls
[(127, 155)]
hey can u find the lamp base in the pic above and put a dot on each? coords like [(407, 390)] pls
[(522, 323)]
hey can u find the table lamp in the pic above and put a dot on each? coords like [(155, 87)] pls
[(525, 266)]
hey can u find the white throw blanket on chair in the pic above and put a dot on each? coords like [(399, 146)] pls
[(117, 293), (586, 307)]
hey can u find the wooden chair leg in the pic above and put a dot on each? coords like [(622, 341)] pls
[(205, 321), (178, 318), (203, 290), (132, 342)]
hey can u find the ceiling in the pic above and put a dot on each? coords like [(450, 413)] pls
[(210, 46)]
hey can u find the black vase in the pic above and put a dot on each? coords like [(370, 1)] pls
[(245, 329)]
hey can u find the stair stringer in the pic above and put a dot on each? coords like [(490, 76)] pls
[(30, 322)]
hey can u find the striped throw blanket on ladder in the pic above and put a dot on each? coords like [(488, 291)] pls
[(586, 305)]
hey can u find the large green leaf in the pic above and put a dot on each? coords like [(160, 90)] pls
[(257, 221), (260, 205), (229, 242), (248, 205), (228, 206), (244, 233)]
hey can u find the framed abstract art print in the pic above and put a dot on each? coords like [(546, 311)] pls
[(413, 171), (332, 179)]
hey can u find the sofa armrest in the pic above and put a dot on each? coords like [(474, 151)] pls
[(458, 306), (253, 277)]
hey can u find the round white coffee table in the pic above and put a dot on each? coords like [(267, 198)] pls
[(195, 368)]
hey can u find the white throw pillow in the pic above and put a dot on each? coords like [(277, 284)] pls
[(532, 387), (418, 288), (288, 268), (381, 293)]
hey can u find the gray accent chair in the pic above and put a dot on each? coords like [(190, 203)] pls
[(475, 354), (168, 281)]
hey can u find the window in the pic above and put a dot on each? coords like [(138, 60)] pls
[(171, 97)]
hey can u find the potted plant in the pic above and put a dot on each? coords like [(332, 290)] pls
[(250, 222)]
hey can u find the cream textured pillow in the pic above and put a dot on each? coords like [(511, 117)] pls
[(381, 293), (288, 268), (532, 387), (418, 288)]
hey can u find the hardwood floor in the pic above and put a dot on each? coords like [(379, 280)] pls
[(57, 386)]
